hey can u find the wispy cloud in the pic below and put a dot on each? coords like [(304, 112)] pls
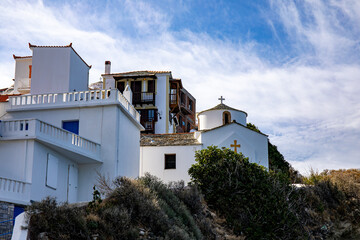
[(308, 104)]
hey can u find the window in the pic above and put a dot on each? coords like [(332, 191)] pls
[(51, 171), (170, 161), (30, 68), (71, 126), (151, 86), (121, 86), (188, 127), (190, 105), (226, 117)]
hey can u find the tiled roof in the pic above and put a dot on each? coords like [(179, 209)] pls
[(135, 73), (222, 106), (66, 46), (173, 139), (16, 57)]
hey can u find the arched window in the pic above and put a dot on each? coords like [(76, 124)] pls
[(226, 117)]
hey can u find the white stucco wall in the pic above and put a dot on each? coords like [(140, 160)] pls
[(22, 73), (57, 70), (153, 161), (105, 124), (16, 156), (252, 144), (161, 103), (214, 118), (79, 73), (50, 70), (129, 148), (39, 190)]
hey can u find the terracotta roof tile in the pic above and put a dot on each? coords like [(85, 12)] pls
[(16, 57), (136, 73), (173, 139)]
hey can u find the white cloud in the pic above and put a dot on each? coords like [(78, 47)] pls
[(309, 110)]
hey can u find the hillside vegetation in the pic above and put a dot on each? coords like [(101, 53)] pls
[(229, 198)]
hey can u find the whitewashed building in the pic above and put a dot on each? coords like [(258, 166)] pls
[(55, 139), (169, 156)]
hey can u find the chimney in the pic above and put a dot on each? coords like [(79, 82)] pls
[(107, 67)]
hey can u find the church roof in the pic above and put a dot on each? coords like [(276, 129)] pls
[(222, 106), (233, 122), (173, 139)]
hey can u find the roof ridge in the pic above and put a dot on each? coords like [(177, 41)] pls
[(65, 46)]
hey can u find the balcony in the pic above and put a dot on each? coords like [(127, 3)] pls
[(72, 145), (143, 98), (14, 191), (71, 99)]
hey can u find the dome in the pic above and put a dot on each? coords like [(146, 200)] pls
[(220, 115)]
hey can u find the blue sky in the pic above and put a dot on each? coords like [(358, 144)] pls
[(293, 66)]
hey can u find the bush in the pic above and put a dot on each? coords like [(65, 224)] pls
[(253, 201)]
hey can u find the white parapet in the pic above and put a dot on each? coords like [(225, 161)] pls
[(72, 98), (13, 190)]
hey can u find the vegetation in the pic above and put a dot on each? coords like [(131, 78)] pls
[(254, 201), (133, 209), (262, 205), (229, 198)]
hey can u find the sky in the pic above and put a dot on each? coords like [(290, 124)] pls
[(293, 66)]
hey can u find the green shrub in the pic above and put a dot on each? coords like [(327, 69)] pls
[(253, 201)]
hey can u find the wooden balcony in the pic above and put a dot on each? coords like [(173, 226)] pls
[(143, 98)]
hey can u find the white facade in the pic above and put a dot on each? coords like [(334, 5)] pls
[(40, 158)]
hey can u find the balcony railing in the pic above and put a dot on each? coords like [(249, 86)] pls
[(143, 98), (33, 128), (11, 190), (71, 98)]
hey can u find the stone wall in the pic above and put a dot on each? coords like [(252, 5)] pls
[(6, 214)]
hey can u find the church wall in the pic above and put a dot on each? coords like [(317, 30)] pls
[(153, 161), (252, 144), (50, 70), (214, 118)]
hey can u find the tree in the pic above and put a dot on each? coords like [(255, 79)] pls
[(253, 200)]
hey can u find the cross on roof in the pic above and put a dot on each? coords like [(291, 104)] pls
[(221, 99)]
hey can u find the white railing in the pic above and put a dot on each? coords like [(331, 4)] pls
[(33, 128), (66, 137), (73, 97), (128, 106), (17, 128), (14, 190)]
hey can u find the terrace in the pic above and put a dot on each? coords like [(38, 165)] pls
[(78, 148)]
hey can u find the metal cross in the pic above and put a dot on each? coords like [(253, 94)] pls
[(235, 145), (221, 99)]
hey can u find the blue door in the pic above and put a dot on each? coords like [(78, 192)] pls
[(71, 126)]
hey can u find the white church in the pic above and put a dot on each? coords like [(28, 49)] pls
[(57, 134)]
